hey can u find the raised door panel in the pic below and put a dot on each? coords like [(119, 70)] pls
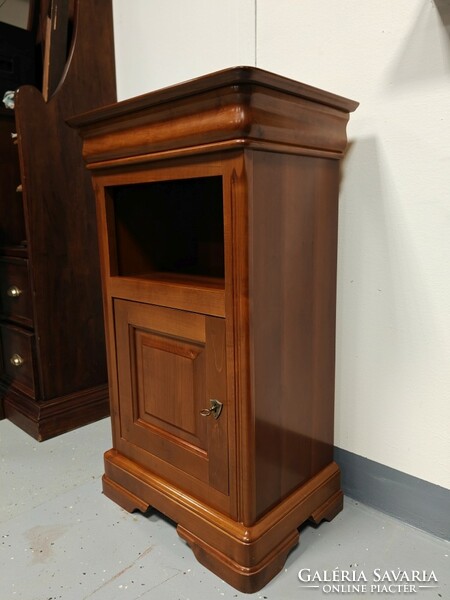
[(170, 377), (171, 363)]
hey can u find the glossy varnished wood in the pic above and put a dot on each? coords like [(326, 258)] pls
[(59, 229), (259, 336), (292, 280), (233, 108), (247, 557), (15, 294), (12, 225), (170, 362)]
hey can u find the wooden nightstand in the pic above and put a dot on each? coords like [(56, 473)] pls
[(217, 205)]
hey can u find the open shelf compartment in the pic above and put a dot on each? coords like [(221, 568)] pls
[(169, 230)]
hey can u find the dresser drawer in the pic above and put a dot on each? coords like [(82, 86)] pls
[(17, 364), (15, 298)]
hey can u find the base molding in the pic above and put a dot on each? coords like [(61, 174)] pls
[(246, 556), (46, 419), (412, 500), (245, 579)]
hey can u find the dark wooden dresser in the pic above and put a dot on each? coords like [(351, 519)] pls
[(52, 360), (217, 206)]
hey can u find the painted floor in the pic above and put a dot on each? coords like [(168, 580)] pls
[(62, 539)]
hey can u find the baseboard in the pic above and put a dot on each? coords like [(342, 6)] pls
[(48, 418), (410, 499)]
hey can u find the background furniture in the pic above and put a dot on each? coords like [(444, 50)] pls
[(52, 365), (217, 202)]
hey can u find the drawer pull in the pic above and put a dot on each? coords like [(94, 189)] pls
[(16, 360), (14, 291), (214, 410)]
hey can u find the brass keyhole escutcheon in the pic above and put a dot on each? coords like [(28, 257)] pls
[(215, 409)]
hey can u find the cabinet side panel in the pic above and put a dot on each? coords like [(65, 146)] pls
[(12, 224), (59, 210), (293, 235)]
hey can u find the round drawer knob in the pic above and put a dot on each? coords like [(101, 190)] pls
[(16, 360), (13, 291)]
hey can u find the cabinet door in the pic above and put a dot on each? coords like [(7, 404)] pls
[(171, 364)]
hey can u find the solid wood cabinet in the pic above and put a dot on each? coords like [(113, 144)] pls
[(217, 204), (52, 350)]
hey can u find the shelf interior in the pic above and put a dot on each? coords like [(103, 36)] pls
[(169, 230)]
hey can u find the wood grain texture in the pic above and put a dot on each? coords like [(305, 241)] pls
[(232, 107), (238, 488), (292, 278), (45, 420), (171, 363), (60, 215), (56, 34), (246, 557), (19, 343), (15, 295), (58, 218), (200, 294)]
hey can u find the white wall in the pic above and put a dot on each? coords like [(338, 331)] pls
[(15, 12), (393, 326), (393, 330), (162, 43)]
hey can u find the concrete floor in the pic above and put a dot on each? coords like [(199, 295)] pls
[(62, 539)]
